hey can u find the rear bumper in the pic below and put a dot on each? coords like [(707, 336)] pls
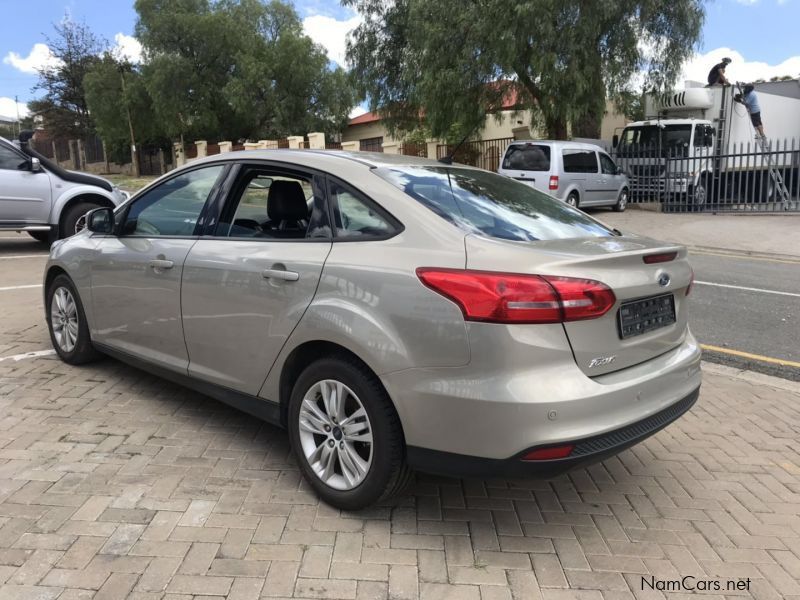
[(586, 451)]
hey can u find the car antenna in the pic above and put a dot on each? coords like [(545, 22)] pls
[(448, 160)]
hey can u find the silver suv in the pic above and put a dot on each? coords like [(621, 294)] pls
[(579, 174), (44, 200), (391, 312)]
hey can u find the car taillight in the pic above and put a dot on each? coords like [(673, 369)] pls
[(650, 259), (553, 182), (549, 453), (516, 298), (691, 282)]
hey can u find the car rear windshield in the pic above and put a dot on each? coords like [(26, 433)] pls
[(527, 157), (493, 205)]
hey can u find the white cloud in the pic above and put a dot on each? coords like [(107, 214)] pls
[(127, 47), (357, 112), (40, 57), (697, 68), (8, 108), (331, 34)]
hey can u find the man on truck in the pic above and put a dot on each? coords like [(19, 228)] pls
[(750, 100), (716, 76)]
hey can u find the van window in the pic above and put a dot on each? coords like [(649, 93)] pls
[(527, 157), (580, 161)]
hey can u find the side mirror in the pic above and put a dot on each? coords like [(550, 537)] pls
[(615, 140), (100, 220), (708, 140), (620, 171), (35, 165)]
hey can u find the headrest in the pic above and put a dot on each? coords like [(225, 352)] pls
[(286, 201)]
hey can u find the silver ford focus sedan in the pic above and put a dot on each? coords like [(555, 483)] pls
[(393, 313)]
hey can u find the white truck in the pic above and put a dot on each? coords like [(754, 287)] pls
[(699, 148)]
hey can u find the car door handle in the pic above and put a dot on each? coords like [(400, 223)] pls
[(281, 274), (160, 264)]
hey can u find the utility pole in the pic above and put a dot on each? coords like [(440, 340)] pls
[(19, 125), (134, 150)]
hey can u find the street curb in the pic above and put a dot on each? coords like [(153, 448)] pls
[(751, 377), (743, 253)]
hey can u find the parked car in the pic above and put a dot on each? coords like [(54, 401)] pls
[(410, 315), (579, 174), (44, 200)]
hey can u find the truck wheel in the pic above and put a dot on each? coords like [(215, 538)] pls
[(699, 196), (74, 219)]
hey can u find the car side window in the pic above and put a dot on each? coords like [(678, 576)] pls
[(10, 160), (271, 203), (173, 207), (607, 165), (580, 161), (355, 217)]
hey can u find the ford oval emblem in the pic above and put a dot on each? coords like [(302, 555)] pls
[(663, 279)]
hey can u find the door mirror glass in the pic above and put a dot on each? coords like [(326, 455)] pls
[(100, 220), (36, 165)]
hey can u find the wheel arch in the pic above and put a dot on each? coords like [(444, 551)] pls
[(93, 197)]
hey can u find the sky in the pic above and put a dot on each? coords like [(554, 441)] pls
[(759, 35)]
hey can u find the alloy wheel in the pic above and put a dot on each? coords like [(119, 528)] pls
[(64, 319), (80, 224), (336, 434), (572, 200), (623, 200)]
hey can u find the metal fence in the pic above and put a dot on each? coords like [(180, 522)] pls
[(43, 147), (333, 145), (485, 154), (412, 149), (759, 176), (93, 150), (371, 144)]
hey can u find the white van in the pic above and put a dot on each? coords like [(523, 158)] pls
[(579, 174)]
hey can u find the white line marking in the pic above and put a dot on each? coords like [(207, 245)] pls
[(35, 354), (24, 256), (20, 287), (748, 289)]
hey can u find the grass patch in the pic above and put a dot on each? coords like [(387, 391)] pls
[(129, 183)]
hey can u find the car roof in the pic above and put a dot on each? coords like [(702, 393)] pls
[(332, 158)]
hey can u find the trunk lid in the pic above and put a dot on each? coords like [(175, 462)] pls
[(597, 344)]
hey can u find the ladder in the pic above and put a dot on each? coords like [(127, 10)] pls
[(777, 179)]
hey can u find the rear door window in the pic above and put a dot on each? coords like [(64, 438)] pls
[(527, 157), (580, 161)]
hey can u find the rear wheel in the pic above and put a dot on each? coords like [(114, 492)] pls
[(66, 320), (572, 199), (74, 219), (346, 434), (622, 201)]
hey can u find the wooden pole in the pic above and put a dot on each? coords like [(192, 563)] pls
[(134, 149)]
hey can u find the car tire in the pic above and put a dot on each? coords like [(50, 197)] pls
[(573, 199), (346, 472), (41, 236), (73, 220), (66, 321), (622, 201)]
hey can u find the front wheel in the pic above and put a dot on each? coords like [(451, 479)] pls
[(699, 196), (572, 199), (346, 434), (66, 320), (74, 220), (622, 201)]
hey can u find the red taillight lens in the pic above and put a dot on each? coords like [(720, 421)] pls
[(691, 283), (514, 298), (549, 453), (651, 259), (553, 182)]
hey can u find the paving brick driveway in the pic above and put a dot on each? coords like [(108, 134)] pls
[(116, 484)]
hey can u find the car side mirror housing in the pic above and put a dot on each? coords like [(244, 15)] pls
[(100, 220), (35, 165), (615, 140), (620, 171)]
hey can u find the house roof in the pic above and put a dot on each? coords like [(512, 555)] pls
[(511, 100)]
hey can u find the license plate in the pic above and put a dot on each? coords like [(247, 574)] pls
[(641, 316)]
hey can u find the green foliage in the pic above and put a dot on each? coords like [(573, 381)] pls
[(454, 61), (63, 107), (237, 69)]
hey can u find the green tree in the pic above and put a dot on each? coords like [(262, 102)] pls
[(454, 61), (63, 107), (237, 69), (121, 107)]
